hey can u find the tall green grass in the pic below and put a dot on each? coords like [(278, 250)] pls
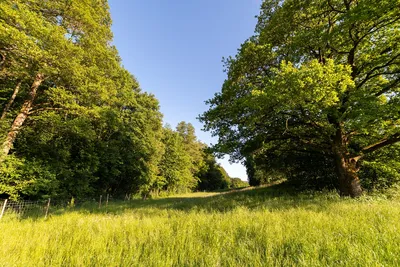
[(260, 227)]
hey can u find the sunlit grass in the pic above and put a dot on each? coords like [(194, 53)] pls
[(260, 227)]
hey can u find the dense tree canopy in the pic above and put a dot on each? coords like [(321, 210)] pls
[(175, 166), (187, 164), (212, 176), (238, 183), (314, 94), (74, 122)]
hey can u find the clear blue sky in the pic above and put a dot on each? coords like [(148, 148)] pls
[(174, 48)]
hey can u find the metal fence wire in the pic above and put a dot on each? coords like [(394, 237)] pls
[(28, 208), (23, 208)]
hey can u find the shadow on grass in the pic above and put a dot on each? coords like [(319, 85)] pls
[(275, 197)]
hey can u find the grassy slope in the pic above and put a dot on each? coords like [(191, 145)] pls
[(260, 227)]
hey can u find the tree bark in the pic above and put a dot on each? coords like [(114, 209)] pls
[(21, 117), (11, 101), (349, 183)]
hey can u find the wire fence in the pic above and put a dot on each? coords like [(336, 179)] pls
[(24, 208), (42, 208)]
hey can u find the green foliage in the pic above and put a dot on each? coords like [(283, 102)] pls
[(212, 176), (175, 165), (187, 164), (314, 94), (238, 183), (88, 124), (193, 147), (21, 178), (88, 129), (382, 170)]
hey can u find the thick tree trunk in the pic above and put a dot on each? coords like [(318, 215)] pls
[(349, 183), (21, 117), (11, 101)]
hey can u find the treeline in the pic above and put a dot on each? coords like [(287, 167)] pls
[(74, 122), (314, 95)]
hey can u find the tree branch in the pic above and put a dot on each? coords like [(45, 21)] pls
[(388, 87), (334, 9), (2, 58), (43, 109), (369, 74), (379, 25), (11, 101), (382, 143), (357, 40)]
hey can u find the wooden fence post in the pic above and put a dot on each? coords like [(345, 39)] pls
[(47, 209), (3, 209), (101, 196)]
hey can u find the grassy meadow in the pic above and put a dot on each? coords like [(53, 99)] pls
[(256, 227)]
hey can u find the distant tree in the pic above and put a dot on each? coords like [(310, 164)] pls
[(212, 176), (238, 183), (175, 165), (192, 146), (315, 89)]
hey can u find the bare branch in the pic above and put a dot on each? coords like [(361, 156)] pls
[(287, 127)]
